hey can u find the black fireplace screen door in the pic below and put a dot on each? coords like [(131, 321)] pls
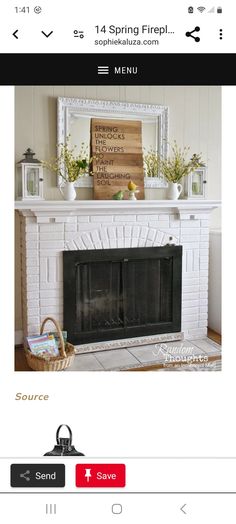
[(121, 293)]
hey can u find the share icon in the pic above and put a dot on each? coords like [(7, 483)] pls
[(195, 30)]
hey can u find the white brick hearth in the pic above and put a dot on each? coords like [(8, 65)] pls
[(49, 227)]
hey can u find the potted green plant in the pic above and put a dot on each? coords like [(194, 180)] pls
[(70, 166), (176, 166)]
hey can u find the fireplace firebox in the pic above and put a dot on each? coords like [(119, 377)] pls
[(111, 294)]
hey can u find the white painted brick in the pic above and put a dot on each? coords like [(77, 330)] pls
[(34, 286), (144, 232), (34, 311), (128, 230), (189, 224), (120, 232), (70, 228), (204, 252), (127, 242), (163, 217), (31, 279), (32, 295), (71, 235), (143, 218), (205, 223), (190, 325), (204, 238), (203, 323), (149, 243), (203, 316), (174, 222), (204, 245), (111, 230), (190, 282), (58, 235), (104, 235), (87, 240), (99, 219), (51, 285), (203, 294), (31, 245), (204, 309), (32, 262), (120, 242), (47, 228), (30, 253), (31, 228), (52, 301), (125, 218), (43, 220), (204, 231), (51, 293), (203, 287), (203, 280), (158, 224), (151, 234), (96, 240), (113, 243), (66, 219), (189, 276), (33, 320), (190, 303), (203, 265), (204, 272), (189, 238), (194, 296), (190, 318), (33, 303), (52, 244), (31, 236), (159, 238), (78, 244), (134, 242), (141, 242), (83, 219), (51, 310), (190, 289), (203, 302)]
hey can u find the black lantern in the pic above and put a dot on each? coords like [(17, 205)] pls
[(64, 445)]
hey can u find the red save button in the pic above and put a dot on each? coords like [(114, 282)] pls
[(100, 475)]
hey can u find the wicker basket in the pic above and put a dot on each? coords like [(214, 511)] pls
[(67, 353)]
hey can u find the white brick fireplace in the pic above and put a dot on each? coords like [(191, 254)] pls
[(50, 227)]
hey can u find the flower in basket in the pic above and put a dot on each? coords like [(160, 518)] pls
[(177, 165), (69, 164)]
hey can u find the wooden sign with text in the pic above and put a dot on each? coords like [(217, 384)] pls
[(116, 147)]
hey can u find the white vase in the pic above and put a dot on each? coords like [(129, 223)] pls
[(68, 191), (174, 190)]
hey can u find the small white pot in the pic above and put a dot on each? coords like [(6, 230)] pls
[(174, 190), (68, 191)]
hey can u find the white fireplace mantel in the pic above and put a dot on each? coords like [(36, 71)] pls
[(189, 209), (48, 228)]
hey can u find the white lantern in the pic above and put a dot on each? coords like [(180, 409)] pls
[(195, 184), (30, 177)]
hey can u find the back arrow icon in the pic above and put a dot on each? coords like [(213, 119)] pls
[(182, 509), (47, 35), (14, 34)]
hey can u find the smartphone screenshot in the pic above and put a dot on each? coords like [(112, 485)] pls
[(117, 262)]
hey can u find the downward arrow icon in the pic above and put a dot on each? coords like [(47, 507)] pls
[(47, 35)]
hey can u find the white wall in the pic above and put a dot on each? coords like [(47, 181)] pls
[(195, 120)]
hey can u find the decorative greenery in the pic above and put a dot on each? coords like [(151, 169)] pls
[(68, 165), (151, 162), (177, 165)]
